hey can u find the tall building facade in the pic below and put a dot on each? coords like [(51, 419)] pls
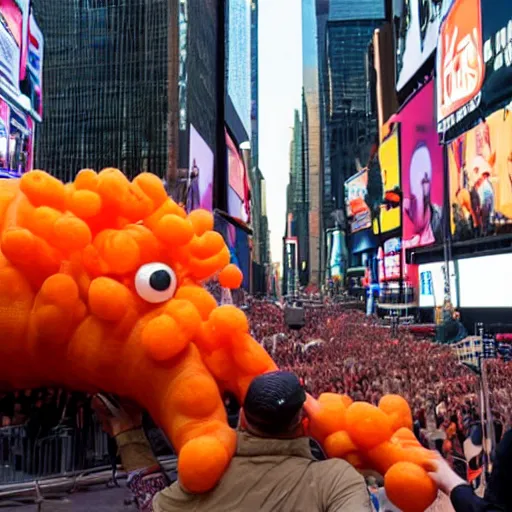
[(125, 82), (312, 137), (348, 126)]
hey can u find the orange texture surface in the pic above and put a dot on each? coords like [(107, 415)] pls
[(101, 289)]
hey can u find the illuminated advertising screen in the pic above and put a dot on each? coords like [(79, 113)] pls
[(422, 172), (389, 260), (11, 39), (389, 159), (357, 209), (419, 27), (238, 190), (35, 65), (432, 284), (239, 59), (480, 174), (200, 174), (291, 252), (474, 63), (485, 282)]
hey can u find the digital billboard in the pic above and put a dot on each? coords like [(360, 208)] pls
[(474, 63), (422, 171), (432, 284), (357, 210), (480, 176), (389, 260), (389, 159), (239, 59), (35, 65), (417, 40), (11, 41), (485, 282), (239, 205), (200, 174)]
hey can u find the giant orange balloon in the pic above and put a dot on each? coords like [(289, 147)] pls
[(101, 289)]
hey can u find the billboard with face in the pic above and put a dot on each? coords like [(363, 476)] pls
[(422, 172)]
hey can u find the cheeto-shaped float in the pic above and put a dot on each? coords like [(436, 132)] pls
[(101, 290)]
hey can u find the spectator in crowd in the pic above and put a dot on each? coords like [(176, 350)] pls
[(273, 468)]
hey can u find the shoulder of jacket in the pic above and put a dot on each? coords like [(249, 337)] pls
[(335, 468)]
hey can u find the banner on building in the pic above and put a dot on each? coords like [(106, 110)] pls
[(480, 174), (422, 172), (11, 43), (200, 174), (417, 39), (389, 159), (357, 210), (389, 260), (474, 64)]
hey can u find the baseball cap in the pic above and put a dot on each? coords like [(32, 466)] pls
[(273, 401)]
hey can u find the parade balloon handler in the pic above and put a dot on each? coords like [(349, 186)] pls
[(273, 468)]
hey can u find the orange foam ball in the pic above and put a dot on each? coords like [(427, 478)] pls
[(201, 220), (43, 190), (398, 409), (339, 445), (409, 487), (201, 463), (367, 425), (163, 339), (231, 277), (330, 417), (86, 179)]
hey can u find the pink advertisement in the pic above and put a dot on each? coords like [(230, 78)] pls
[(238, 190), (200, 175), (422, 171)]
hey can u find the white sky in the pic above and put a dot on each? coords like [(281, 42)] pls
[(280, 89)]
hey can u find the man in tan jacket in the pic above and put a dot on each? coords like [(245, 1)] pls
[(273, 469)]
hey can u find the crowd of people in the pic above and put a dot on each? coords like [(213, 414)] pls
[(346, 352)]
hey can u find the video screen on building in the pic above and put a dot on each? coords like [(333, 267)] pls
[(480, 175), (239, 204), (432, 278), (200, 174), (389, 160), (11, 40), (422, 172), (417, 41), (357, 209), (239, 59), (485, 282)]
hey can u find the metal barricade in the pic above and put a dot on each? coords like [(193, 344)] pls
[(64, 450)]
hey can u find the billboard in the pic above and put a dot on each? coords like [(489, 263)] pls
[(474, 63), (432, 285), (239, 59), (357, 210), (389, 159), (11, 44), (291, 265), (35, 65), (389, 260), (485, 282), (238, 191), (417, 39), (200, 174), (422, 172), (16, 140), (480, 176)]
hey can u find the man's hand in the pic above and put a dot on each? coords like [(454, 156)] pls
[(116, 418), (444, 476)]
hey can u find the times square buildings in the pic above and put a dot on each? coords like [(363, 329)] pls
[(430, 214), (164, 87)]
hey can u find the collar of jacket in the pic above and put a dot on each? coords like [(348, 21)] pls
[(251, 446)]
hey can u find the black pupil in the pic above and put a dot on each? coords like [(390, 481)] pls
[(160, 280)]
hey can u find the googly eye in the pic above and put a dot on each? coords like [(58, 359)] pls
[(155, 282)]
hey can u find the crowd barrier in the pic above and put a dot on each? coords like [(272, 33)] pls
[(64, 450)]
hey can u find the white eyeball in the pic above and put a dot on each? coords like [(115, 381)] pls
[(155, 282)]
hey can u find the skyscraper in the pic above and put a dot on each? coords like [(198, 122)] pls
[(312, 137)]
